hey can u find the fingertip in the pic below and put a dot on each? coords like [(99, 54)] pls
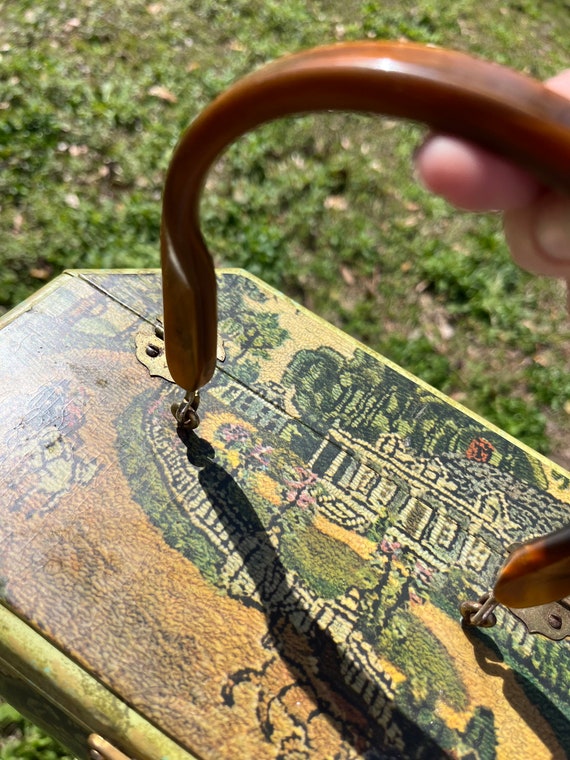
[(560, 83), (472, 178), (445, 165)]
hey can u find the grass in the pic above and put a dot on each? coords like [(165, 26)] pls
[(21, 740), (94, 94)]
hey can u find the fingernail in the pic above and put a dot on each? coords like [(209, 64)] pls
[(552, 227)]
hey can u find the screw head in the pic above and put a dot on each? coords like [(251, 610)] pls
[(555, 621), (152, 350)]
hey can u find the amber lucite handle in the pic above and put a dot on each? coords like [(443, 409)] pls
[(495, 107), (538, 572)]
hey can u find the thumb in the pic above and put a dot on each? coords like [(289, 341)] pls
[(539, 235)]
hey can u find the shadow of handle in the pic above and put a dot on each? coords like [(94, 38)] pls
[(491, 105)]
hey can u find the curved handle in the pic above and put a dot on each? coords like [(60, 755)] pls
[(537, 572), (495, 107)]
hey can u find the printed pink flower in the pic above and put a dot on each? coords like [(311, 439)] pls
[(262, 455), (231, 433), (390, 547)]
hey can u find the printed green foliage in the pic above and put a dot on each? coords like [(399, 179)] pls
[(255, 333), (421, 656), (147, 479), (328, 566), (441, 429), (543, 665), (480, 733), (333, 390)]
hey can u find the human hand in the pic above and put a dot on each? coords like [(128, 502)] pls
[(536, 219)]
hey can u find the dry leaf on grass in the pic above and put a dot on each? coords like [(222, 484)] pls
[(158, 91)]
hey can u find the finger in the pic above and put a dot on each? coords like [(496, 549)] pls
[(560, 83), (472, 178)]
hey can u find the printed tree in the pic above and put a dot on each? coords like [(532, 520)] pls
[(480, 733), (364, 398), (256, 332), (333, 390)]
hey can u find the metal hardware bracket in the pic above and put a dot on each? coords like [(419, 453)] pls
[(550, 620), (149, 342)]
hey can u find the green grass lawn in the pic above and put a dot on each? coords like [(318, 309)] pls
[(94, 94), (21, 739)]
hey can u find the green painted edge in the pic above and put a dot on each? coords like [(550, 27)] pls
[(90, 705)]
